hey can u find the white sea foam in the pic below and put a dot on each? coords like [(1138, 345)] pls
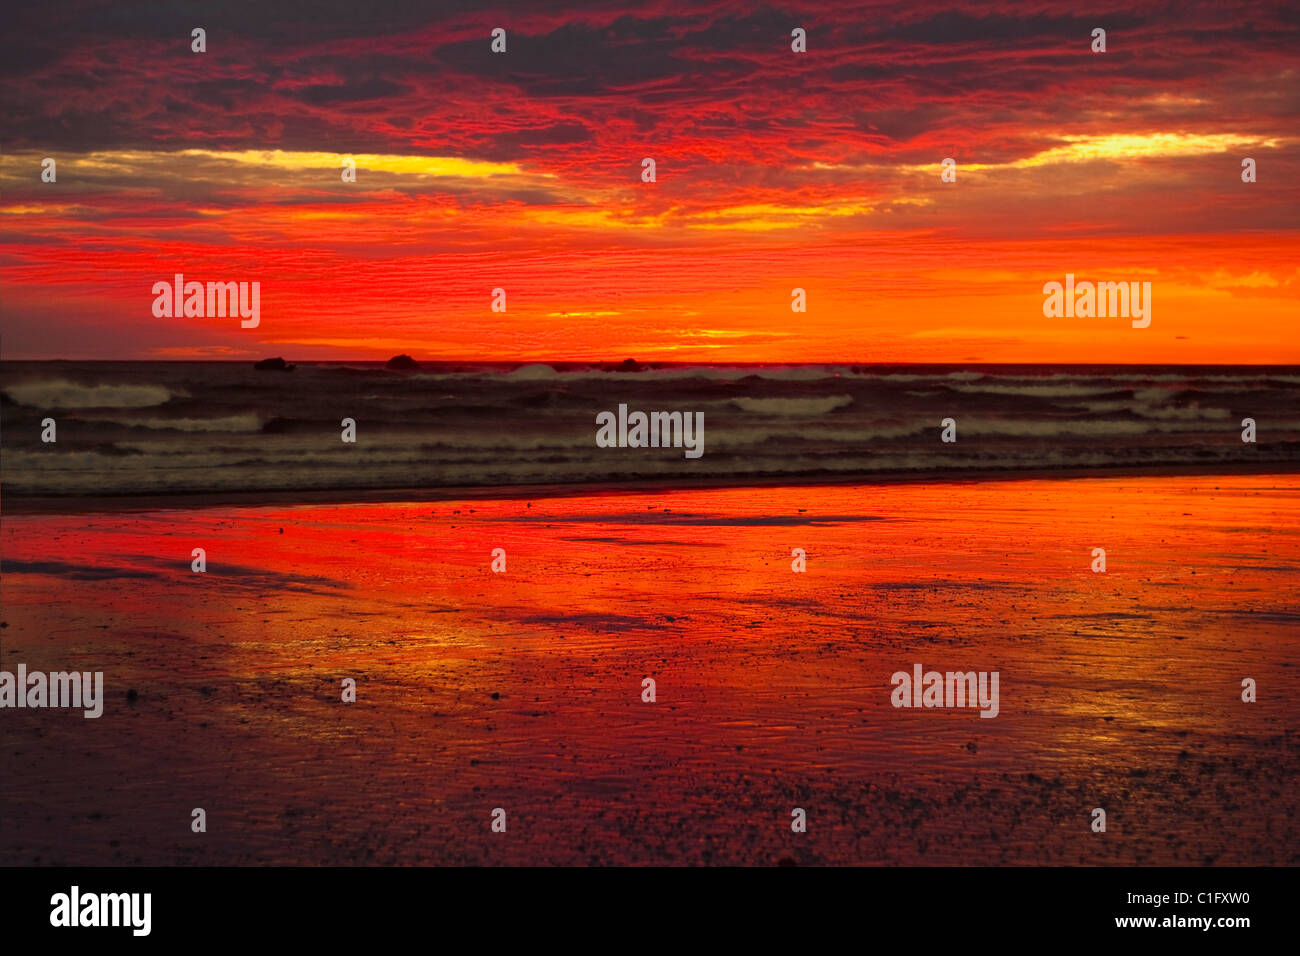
[(229, 423), (792, 406), (59, 393), (1038, 391)]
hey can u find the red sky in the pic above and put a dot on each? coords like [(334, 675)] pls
[(775, 170)]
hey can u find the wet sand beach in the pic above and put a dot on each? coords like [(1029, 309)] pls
[(522, 690)]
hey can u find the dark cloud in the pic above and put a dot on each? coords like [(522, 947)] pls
[(994, 30), (352, 93), (349, 77)]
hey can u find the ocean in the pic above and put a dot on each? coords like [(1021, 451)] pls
[(158, 428)]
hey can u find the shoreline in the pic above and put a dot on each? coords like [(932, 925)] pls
[(109, 504)]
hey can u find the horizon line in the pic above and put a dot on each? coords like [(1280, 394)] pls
[(649, 362)]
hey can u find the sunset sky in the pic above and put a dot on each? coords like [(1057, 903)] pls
[(522, 170)]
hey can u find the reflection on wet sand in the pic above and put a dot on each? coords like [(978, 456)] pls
[(522, 690)]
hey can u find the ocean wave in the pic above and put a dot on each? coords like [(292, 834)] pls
[(934, 378), (532, 373), (710, 373), (1098, 428), (230, 423), (1189, 413), (792, 406), (222, 426), (1039, 391), (59, 393)]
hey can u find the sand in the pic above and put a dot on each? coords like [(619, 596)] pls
[(522, 690)]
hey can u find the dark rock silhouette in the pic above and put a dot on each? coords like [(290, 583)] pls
[(401, 362), (627, 365), (276, 364)]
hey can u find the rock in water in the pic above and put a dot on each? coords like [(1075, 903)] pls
[(627, 365), (401, 362), (276, 364)]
